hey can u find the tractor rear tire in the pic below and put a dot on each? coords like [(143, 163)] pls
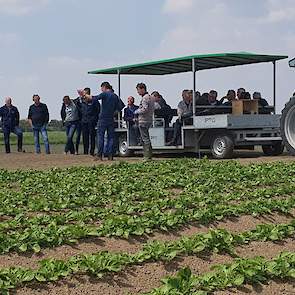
[(288, 126)]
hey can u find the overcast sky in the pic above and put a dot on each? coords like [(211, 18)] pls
[(48, 46)]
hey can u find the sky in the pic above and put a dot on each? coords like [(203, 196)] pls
[(48, 46)]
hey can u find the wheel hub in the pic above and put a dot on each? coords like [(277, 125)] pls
[(219, 146)]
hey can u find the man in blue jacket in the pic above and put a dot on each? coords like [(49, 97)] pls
[(110, 105), (10, 124)]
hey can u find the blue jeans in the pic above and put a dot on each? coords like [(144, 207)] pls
[(18, 132), (103, 127), (43, 131), (78, 135), (70, 131)]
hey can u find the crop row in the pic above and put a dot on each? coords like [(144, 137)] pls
[(242, 271), (36, 237), (103, 262), (97, 187), (184, 200)]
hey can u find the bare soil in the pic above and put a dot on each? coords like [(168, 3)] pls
[(143, 278), (15, 161)]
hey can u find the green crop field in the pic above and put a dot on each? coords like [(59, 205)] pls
[(154, 228)]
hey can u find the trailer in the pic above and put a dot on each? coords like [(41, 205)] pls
[(219, 128)]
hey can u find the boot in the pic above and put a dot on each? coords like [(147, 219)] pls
[(7, 148), (147, 152), (150, 152), (20, 145)]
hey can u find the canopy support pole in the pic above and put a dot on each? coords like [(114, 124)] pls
[(194, 84), (274, 85), (194, 70), (119, 94)]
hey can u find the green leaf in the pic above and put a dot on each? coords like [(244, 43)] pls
[(238, 280), (36, 248), (23, 247)]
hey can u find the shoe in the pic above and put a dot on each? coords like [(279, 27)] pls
[(110, 158)]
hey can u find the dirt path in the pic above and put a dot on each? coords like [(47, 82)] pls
[(16, 161)]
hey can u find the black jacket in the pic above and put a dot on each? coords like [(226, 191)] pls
[(9, 116), (39, 114), (89, 112)]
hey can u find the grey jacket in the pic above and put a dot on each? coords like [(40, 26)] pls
[(184, 108), (146, 110), (70, 113)]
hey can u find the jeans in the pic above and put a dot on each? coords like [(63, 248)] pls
[(89, 134), (103, 127), (144, 133), (43, 131), (18, 132), (78, 135), (70, 131)]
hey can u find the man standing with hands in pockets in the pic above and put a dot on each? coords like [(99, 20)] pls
[(145, 114), (38, 118)]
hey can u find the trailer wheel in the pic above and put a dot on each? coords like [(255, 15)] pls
[(275, 149), (222, 147), (124, 151), (288, 126)]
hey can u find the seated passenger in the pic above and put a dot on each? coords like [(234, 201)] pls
[(245, 95), (212, 98), (231, 96), (202, 99), (164, 109), (262, 103), (239, 92), (130, 119), (184, 112)]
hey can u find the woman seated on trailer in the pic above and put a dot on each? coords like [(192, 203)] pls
[(162, 109)]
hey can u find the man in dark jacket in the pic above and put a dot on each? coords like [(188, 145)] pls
[(10, 123), (89, 116), (78, 101), (38, 118)]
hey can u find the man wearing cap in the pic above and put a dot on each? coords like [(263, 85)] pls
[(10, 124)]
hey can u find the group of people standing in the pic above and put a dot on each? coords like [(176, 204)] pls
[(38, 118), (81, 116), (93, 117), (89, 113)]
